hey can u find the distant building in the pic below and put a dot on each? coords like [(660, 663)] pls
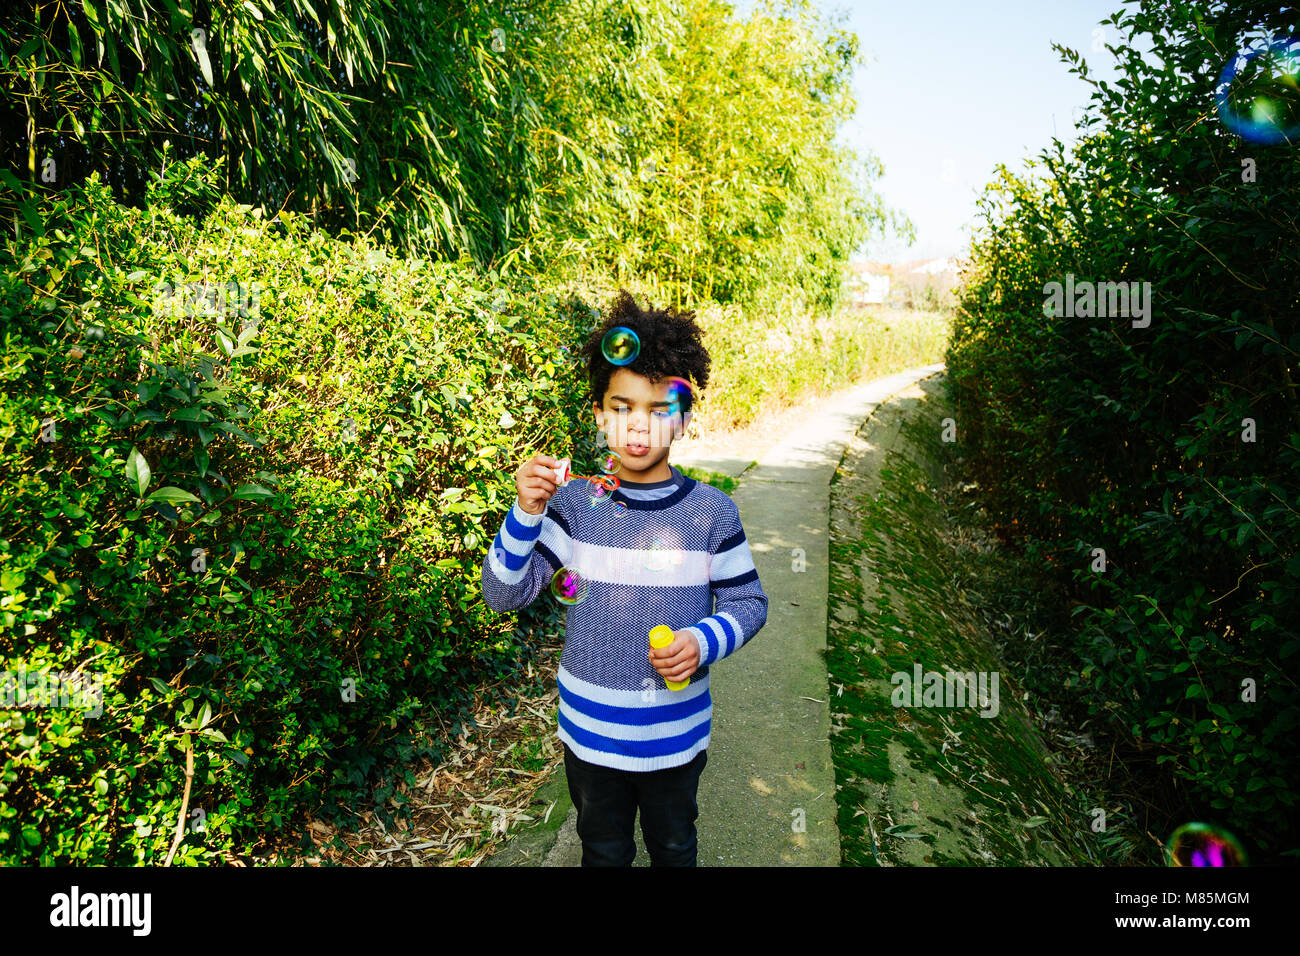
[(868, 283), (932, 267), (920, 283)]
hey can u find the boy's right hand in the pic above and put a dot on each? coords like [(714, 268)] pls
[(535, 483)]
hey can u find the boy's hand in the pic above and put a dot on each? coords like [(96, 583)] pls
[(535, 483), (680, 659)]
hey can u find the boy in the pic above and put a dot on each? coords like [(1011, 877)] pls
[(628, 740)]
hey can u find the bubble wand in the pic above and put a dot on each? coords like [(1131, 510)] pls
[(609, 465)]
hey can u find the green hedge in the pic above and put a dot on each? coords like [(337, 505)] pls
[(277, 482), (1089, 433)]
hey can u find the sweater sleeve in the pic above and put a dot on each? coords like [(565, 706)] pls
[(740, 608), (525, 554)]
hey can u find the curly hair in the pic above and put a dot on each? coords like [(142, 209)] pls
[(672, 344)]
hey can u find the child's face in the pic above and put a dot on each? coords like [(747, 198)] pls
[(639, 425)]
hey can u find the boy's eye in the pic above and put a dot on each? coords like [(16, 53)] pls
[(622, 410), (663, 414)]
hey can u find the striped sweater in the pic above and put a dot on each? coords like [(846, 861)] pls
[(677, 548)]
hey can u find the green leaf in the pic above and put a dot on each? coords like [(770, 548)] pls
[(171, 495), (1034, 822), (74, 43), (202, 52), (137, 469), (246, 492), (904, 830)]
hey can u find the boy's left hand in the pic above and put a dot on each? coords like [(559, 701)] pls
[(679, 660)]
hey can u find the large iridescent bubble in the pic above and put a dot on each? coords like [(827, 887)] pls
[(620, 346), (681, 399), (569, 586), (1258, 93), (681, 394), (1202, 844)]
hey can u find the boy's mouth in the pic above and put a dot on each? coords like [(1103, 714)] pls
[(633, 448)]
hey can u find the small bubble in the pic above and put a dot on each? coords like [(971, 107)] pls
[(1252, 96), (569, 586), (610, 462), (620, 346), (1202, 844), (657, 555), (681, 394)]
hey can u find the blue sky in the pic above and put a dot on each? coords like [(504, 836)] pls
[(952, 88)]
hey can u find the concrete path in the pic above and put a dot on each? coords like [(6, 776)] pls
[(767, 794)]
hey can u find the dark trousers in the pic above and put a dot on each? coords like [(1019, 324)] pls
[(607, 799)]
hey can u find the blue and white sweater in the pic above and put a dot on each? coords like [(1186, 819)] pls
[(677, 548)]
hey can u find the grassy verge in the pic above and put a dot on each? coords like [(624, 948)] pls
[(927, 784), (724, 482)]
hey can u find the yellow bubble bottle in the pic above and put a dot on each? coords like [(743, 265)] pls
[(660, 637)]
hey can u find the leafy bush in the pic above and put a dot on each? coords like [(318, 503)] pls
[(242, 504), (1175, 447)]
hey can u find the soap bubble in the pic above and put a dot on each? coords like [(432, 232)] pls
[(1258, 93), (619, 507), (610, 462), (569, 586), (1202, 844), (599, 495), (681, 394), (656, 555), (620, 345), (681, 399)]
